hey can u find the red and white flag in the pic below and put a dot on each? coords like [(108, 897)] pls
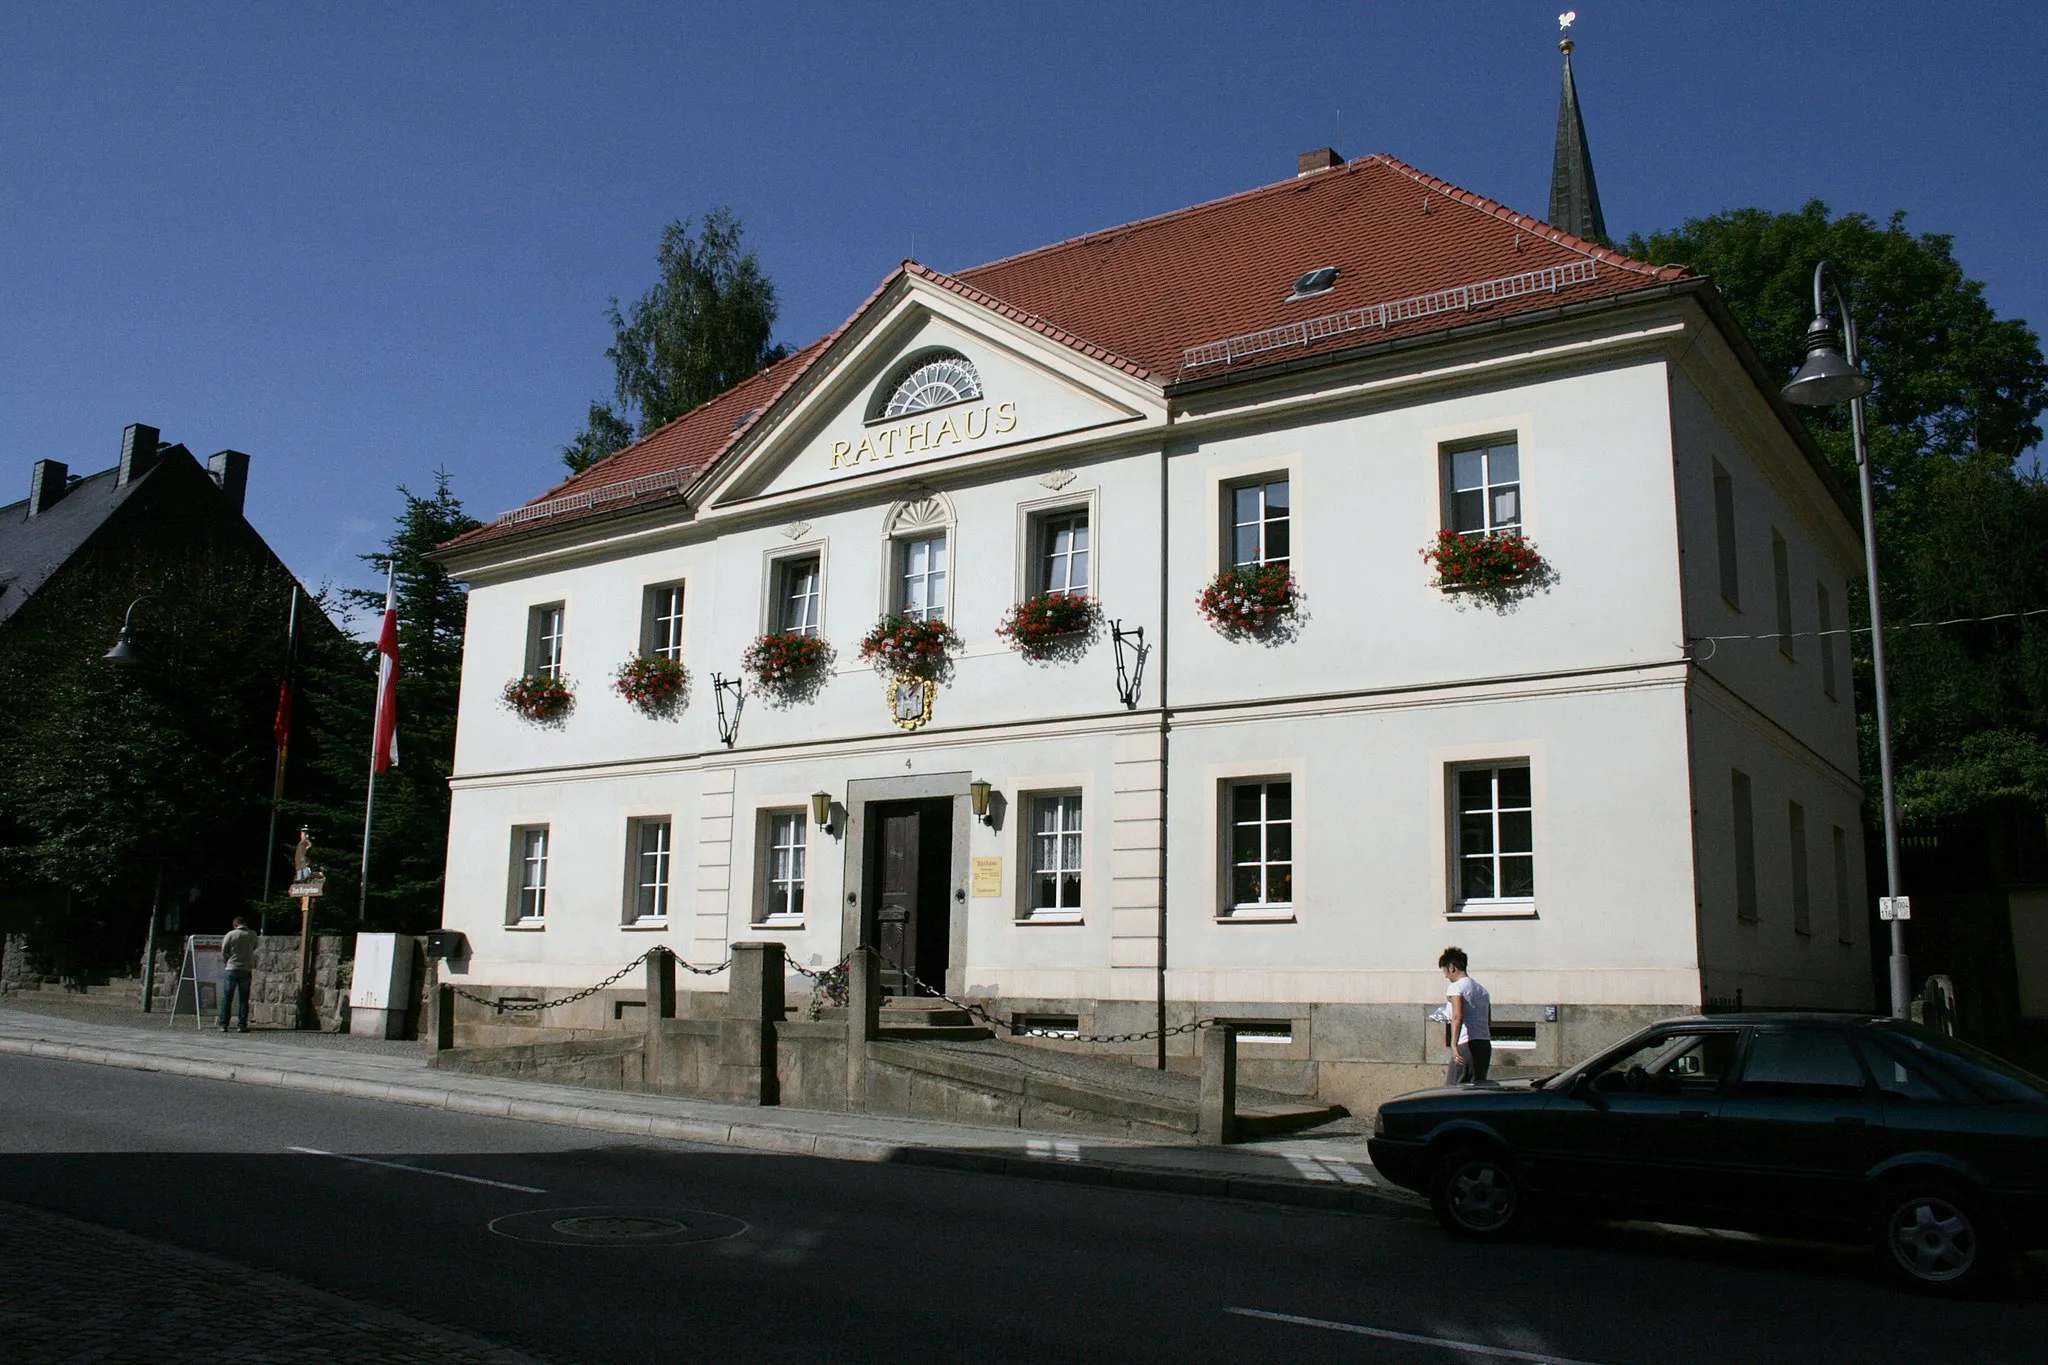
[(384, 743)]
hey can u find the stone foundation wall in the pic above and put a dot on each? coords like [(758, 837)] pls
[(274, 990), (14, 972)]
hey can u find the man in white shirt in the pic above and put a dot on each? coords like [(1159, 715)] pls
[(1471, 1021)]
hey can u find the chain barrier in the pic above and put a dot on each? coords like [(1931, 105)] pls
[(832, 989), (535, 1006), (1011, 1027)]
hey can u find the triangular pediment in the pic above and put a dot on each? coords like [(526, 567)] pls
[(835, 431)]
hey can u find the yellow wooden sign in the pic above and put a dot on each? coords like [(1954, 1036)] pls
[(988, 876)]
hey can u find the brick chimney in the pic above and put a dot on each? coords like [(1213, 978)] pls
[(230, 471), (45, 485), (1321, 159), (138, 453)]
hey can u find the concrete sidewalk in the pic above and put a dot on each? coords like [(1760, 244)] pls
[(1331, 1172)]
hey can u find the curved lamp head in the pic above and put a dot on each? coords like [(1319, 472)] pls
[(977, 799), (1827, 378), (125, 653), (821, 809)]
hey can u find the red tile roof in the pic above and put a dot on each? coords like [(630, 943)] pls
[(1140, 296)]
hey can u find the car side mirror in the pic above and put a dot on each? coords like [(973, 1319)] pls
[(1583, 1088)]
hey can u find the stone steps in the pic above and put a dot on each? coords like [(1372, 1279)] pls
[(931, 1020)]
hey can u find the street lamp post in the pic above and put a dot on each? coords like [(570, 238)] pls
[(1829, 377), (125, 654)]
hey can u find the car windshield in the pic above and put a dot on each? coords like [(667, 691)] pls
[(1992, 1078)]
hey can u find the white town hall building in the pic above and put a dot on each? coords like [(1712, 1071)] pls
[(1284, 826)]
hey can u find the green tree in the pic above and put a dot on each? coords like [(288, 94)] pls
[(409, 836), (1958, 399), (704, 326)]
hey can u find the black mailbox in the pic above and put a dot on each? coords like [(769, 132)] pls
[(446, 944)]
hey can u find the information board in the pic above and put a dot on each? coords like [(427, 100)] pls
[(199, 979)]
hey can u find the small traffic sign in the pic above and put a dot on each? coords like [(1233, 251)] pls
[(1895, 907)]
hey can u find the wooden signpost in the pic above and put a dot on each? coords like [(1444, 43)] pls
[(308, 882)]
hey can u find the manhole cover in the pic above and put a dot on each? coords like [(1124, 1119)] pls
[(613, 1227)]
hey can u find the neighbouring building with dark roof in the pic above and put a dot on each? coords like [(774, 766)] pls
[(1277, 820)]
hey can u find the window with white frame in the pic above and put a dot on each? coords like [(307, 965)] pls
[(921, 577), (1496, 843), (1261, 847), (1781, 592), (1055, 855), (1261, 522), (529, 899), (652, 845), (1063, 553), (1724, 537), (785, 841), (661, 621), (1742, 807), (1483, 488), (797, 588), (1802, 891), (544, 640), (1824, 606)]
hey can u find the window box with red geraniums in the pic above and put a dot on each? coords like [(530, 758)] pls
[(906, 645), (1250, 601), (1050, 624), (655, 685), (1497, 567), (788, 665), (543, 698)]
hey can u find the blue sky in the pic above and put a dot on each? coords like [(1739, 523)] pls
[(364, 241)]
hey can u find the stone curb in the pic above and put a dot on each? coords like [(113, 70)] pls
[(760, 1137)]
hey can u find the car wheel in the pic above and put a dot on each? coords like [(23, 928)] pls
[(1476, 1194), (1933, 1239)]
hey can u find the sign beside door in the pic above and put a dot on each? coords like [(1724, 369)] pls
[(988, 877)]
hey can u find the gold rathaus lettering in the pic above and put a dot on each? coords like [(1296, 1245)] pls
[(926, 435)]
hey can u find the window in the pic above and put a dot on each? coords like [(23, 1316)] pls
[(1745, 847), (1259, 523), (1802, 899), (1483, 488), (1781, 589), (1824, 609), (1801, 1064), (544, 641), (529, 899), (932, 381), (1063, 553), (1724, 535), (796, 586), (788, 840), (1900, 1080), (1671, 1064), (661, 622), (1496, 841), (651, 845), (1055, 855), (921, 575), (1845, 931), (1261, 847)]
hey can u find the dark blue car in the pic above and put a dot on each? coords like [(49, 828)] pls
[(1822, 1126)]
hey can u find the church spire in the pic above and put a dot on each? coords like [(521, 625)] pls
[(1574, 198)]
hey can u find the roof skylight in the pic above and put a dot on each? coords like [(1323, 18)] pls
[(1321, 280)]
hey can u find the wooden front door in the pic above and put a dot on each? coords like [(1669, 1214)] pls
[(896, 896)]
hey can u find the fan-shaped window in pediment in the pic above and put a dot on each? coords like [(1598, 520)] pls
[(931, 380)]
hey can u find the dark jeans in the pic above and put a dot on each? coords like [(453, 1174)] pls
[(234, 986), (1469, 1062)]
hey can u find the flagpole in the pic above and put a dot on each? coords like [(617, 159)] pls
[(291, 659)]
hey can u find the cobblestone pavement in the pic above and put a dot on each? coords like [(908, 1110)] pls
[(70, 1291)]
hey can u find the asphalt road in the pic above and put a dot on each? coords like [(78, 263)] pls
[(802, 1259)]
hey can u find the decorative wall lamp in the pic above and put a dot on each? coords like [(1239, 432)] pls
[(1131, 651), (977, 798), (821, 810)]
